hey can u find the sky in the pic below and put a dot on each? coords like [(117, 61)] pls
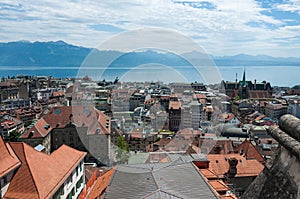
[(220, 27)]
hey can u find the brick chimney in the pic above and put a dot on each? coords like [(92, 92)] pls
[(232, 171)]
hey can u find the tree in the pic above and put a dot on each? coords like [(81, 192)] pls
[(13, 136), (122, 150), (236, 98), (296, 87)]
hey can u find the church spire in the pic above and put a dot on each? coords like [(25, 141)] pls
[(244, 76)]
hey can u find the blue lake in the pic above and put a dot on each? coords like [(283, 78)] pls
[(277, 75)]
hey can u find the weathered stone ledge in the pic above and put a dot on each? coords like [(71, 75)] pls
[(291, 125), (288, 142)]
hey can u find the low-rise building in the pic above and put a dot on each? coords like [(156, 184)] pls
[(9, 163), (294, 108), (275, 110), (160, 180), (10, 124), (81, 127), (58, 175)]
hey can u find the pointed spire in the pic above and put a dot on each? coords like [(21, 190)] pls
[(244, 76)]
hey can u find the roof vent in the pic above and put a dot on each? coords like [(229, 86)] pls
[(31, 134), (47, 126), (217, 161), (241, 152)]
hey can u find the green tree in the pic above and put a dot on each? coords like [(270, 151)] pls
[(122, 150), (296, 87), (236, 98), (13, 136)]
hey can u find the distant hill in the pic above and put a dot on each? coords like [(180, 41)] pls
[(59, 53), (51, 53), (258, 60)]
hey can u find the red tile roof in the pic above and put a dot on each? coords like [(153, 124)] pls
[(59, 117), (101, 184), (245, 167), (229, 197), (8, 159), (38, 130), (200, 96), (227, 116), (40, 175), (214, 146), (209, 174), (58, 93), (259, 117), (250, 151), (218, 185), (255, 94), (174, 105)]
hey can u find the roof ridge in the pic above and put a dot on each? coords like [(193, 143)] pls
[(30, 173), (160, 190), (38, 130), (5, 146), (70, 169), (249, 143), (155, 181), (204, 179)]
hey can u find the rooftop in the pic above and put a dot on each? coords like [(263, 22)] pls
[(163, 180), (8, 159), (245, 167), (59, 117), (40, 175)]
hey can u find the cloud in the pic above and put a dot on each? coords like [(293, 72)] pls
[(219, 26), (289, 6)]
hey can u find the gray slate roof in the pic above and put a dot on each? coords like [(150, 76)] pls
[(161, 180)]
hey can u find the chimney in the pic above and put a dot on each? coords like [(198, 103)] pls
[(217, 149), (255, 84), (70, 118), (31, 134), (236, 81), (232, 171)]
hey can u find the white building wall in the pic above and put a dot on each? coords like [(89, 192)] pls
[(69, 189)]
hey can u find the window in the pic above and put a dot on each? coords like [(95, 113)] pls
[(61, 190), (73, 191), (80, 166), (57, 195), (69, 196)]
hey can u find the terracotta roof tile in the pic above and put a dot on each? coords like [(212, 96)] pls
[(39, 130), (214, 146), (229, 197), (8, 159), (59, 117), (40, 175), (174, 105), (209, 174), (101, 184), (227, 116), (245, 167), (250, 151), (260, 117), (218, 185), (58, 93)]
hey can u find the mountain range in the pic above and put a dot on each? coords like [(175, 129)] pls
[(62, 54)]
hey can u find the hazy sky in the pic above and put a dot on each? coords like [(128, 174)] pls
[(221, 27)]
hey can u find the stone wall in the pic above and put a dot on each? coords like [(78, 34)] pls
[(280, 178)]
